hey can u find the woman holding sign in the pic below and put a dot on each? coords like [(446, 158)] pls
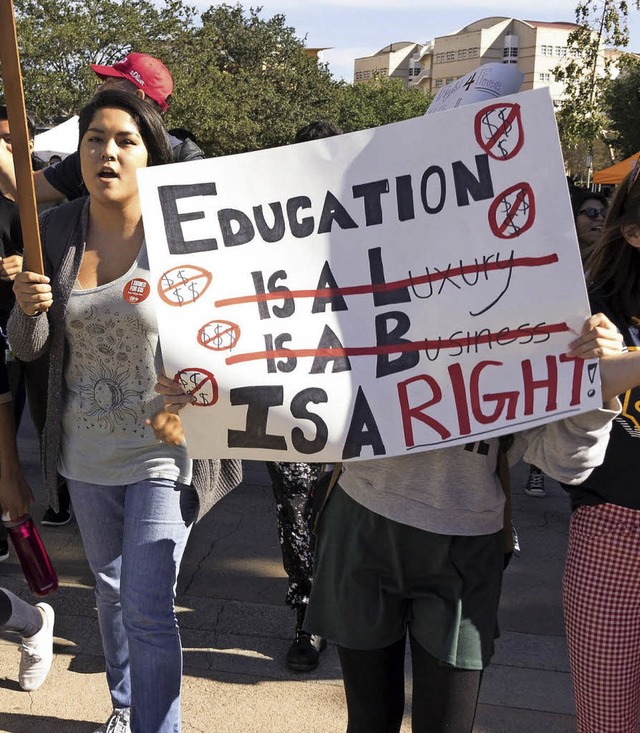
[(132, 494), (602, 582), (415, 544)]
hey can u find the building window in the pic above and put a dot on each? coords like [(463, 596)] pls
[(473, 52), (440, 58), (546, 50), (451, 56), (545, 77), (359, 75), (462, 53), (367, 74), (439, 83)]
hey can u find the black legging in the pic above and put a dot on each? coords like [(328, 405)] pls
[(444, 698), (18, 615)]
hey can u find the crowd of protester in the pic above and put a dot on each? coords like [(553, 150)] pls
[(406, 548)]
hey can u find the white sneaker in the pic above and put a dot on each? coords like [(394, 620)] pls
[(37, 652), (118, 722)]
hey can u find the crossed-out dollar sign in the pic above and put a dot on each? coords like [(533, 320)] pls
[(513, 212), (498, 130), (183, 285), (200, 384)]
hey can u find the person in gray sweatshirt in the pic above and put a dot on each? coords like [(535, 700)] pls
[(415, 544)]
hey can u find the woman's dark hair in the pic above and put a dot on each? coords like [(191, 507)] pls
[(580, 195), (147, 119), (317, 130), (613, 265)]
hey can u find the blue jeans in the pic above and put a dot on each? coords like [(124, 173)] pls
[(134, 537)]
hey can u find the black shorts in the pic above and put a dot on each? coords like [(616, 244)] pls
[(375, 578)]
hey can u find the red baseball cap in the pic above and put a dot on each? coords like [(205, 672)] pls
[(146, 72)]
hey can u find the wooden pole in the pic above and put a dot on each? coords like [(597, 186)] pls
[(14, 99)]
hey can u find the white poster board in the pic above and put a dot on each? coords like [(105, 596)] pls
[(391, 290)]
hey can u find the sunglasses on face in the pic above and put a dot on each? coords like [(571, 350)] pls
[(593, 213)]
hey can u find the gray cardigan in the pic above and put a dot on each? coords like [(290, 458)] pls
[(63, 231)]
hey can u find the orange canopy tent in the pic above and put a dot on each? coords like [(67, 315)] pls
[(615, 173)]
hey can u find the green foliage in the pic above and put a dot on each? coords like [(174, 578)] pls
[(58, 40), (620, 101), (242, 82), (585, 74), (247, 83), (379, 103)]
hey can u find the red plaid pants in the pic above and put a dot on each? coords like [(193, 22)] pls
[(602, 617)]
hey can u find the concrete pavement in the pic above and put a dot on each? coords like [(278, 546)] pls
[(236, 629)]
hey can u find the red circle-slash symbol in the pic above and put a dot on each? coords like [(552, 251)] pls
[(513, 211), (219, 335), (200, 383), (499, 130), (183, 285)]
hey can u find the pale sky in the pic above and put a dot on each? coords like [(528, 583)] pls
[(355, 28)]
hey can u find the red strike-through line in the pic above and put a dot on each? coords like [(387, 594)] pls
[(396, 285), (503, 128), (395, 348)]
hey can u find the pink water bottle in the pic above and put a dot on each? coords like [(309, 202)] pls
[(31, 552)]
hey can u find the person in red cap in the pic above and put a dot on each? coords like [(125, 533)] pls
[(148, 74), (143, 75)]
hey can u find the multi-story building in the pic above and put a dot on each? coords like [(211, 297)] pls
[(397, 60), (535, 46)]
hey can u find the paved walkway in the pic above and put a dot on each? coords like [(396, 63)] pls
[(236, 630)]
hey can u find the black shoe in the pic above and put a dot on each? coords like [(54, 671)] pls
[(4, 550), (304, 653), (51, 518)]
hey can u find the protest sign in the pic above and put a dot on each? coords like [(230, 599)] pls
[(488, 81), (391, 290)]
